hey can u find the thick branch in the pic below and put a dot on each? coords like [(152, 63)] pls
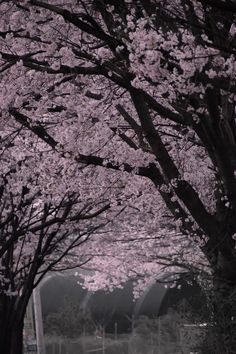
[(221, 145), (182, 188)]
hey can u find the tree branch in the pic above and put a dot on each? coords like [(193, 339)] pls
[(182, 188)]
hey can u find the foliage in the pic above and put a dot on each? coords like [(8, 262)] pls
[(156, 334), (69, 321)]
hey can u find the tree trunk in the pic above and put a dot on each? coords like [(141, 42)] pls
[(11, 327), (224, 319), (11, 338), (16, 345), (221, 334)]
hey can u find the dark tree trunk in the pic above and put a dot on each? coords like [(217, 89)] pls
[(221, 332), (221, 335), (12, 341), (11, 326), (224, 316), (11, 338), (16, 345)]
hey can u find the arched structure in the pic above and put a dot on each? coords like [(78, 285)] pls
[(117, 307), (150, 301), (110, 308)]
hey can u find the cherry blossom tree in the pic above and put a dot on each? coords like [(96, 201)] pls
[(41, 230), (45, 218), (142, 95)]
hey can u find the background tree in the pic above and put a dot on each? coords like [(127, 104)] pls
[(145, 91), (44, 221), (35, 240), (69, 321)]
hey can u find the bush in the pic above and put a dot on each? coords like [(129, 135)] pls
[(69, 321)]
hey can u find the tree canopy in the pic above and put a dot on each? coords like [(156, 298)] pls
[(130, 103)]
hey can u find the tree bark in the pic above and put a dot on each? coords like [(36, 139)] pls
[(16, 343), (221, 333), (11, 341), (11, 327)]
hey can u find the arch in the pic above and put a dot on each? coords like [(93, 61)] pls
[(160, 291)]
